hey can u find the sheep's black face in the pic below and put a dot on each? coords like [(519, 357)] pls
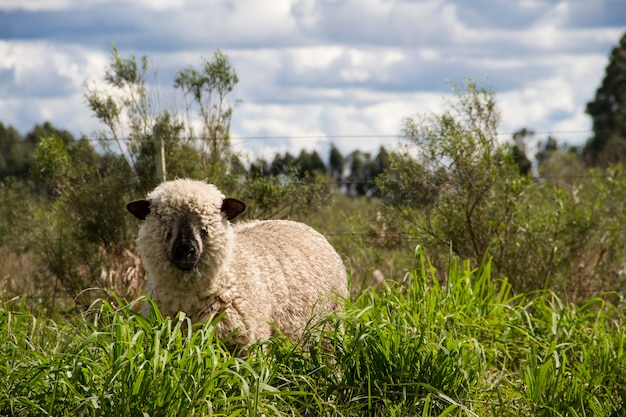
[(185, 242)]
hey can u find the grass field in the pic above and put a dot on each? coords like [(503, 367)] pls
[(415, 348)]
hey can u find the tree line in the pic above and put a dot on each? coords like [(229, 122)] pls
[(353, 174)]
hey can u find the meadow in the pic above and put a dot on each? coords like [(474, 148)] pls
[(411, 348), (476, 289)]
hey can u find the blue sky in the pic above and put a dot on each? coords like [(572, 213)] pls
[(318, 71)]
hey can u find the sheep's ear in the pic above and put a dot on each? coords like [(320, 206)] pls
[(232, 207), (139, 208)]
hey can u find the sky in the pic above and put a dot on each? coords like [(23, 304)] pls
[(316, 72)]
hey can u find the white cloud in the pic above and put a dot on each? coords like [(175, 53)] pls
[(51, 5), (557, 103), (35, 5), (161, 5), (24, 114), (268, 129), (46, 84), (313, 68), (43, 68), (556, 16)]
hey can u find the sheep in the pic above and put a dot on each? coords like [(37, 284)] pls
[(261, 274)]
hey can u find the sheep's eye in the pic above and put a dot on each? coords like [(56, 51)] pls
[(204, 233), (168, 234)]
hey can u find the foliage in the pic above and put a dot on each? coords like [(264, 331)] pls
[(456, 187), (518, 151), (85, 222), (354, 174), (14, 153), (17, 151), (128, 108), (364, 171), (285, 195), (370, 247), (209, 92), (448, 337), (468, 348), (608, 113), (19, 272), (336, 164)]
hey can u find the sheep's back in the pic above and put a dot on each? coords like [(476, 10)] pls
[(288, 267)]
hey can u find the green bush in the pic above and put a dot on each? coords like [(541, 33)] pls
[(455, 187)]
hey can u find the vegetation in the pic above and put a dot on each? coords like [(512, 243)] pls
[(608, 113), (468, 348), (456, 187), (511, 305)]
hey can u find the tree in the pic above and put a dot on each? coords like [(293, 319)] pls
[(608, 113), (546, 150), (259, 168), (562, 165), (336, 164), (360, 172), (131, 113), (310, 164), (208, 91), (451, 172), (455, 187), (380, 164), (518, 150), (16, 152), (84, 224), (282, 165), (364, 170)]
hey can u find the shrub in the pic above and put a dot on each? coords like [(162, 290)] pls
[(455, 187)]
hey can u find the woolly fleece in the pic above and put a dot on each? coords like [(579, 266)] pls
[(258, 272)]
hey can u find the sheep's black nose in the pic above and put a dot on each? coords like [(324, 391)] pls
[(185, 255), (186, 249)]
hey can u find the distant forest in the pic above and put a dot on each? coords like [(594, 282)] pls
[(354, 173)]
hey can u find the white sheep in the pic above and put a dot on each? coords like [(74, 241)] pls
[(258, 272)]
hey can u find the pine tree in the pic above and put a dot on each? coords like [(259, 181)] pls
[(608, 113), (336, 164)]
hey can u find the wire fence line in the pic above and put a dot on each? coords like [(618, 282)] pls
[(313, 136), (239, 141)]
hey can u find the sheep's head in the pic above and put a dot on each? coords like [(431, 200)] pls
[(184, 223)]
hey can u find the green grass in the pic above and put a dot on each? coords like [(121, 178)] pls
[(414, 348), (365, 242)]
